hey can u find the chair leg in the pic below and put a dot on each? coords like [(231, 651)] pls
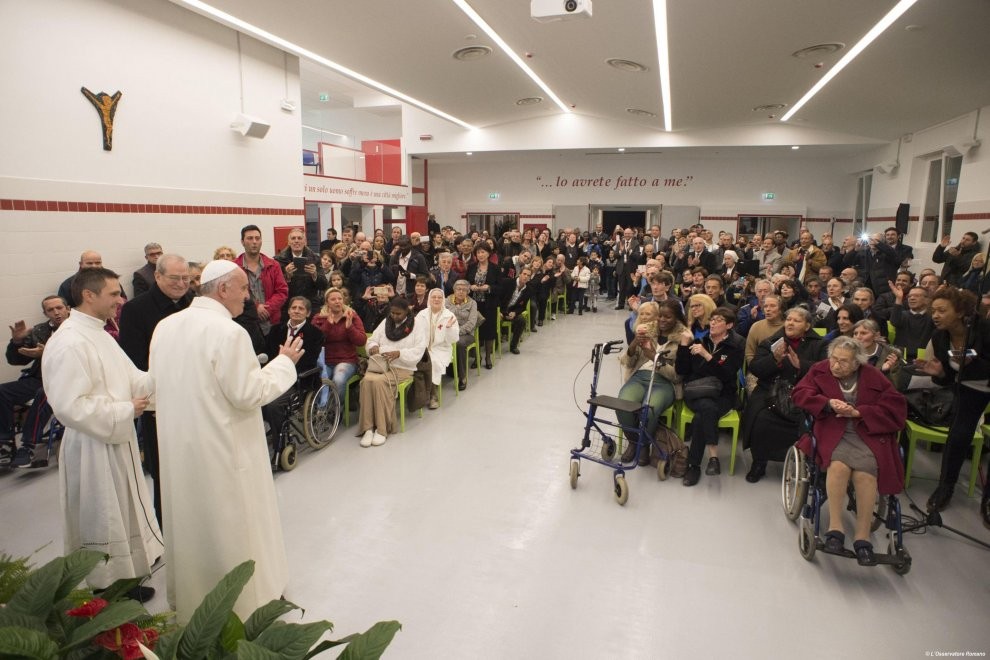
[(735, 441), (974, 467), (910, 461)]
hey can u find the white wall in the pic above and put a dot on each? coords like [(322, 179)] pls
[(720, 187), (172, 145)]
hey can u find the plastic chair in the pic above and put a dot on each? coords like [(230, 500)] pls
[(821, 331), (362, 352), (729, 420), (939, 434), (403, 388), (559, 302), (504, 324)]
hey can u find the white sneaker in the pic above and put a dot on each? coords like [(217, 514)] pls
[(433, 405), (378, 439), (369, 437)]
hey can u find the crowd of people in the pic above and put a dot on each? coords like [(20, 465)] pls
[(741, 321)]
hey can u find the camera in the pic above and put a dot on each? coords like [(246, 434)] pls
[(570, 5)]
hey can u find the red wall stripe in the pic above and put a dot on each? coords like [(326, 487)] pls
[(112, 207)]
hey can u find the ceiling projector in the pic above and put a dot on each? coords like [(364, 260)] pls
[(557, 10)]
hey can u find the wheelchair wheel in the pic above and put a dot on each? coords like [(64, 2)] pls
[(287, 457), (663, 470), (621, 490), (575, 473), (806, 539), (794, 483), (320, 421), (880, 513)]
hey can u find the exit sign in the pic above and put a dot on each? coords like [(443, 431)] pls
[(324, 97), (493, 195), (768, 195)]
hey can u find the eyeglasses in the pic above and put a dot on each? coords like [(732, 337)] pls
[(185, 279)]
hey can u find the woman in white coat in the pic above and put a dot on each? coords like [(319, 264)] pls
[(442, 333), (402, 342)]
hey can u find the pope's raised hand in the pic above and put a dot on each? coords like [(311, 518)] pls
[(292, 349)]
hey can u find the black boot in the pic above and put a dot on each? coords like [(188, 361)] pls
[(756, 472)]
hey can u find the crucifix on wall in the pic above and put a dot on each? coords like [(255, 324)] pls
[(106, 105)]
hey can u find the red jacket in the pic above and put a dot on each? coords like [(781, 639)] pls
[(339, 342), (883, 410), (276, 290)]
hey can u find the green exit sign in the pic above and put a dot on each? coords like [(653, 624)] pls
[(493, 195), (324, 97), (768, 196)]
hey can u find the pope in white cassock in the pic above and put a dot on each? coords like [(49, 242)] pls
[(218, 495), (96, 392)]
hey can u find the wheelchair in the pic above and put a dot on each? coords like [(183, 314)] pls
[(311, 417), (47, 438), (803, 494)]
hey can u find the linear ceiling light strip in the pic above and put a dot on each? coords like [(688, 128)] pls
[(288, 46), (663, 57), (480, 22), (860, 46)]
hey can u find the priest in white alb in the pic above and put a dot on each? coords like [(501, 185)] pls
[(218, 495), (96, 392)]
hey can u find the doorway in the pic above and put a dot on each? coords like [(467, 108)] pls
[(749, 225), (624, 219)]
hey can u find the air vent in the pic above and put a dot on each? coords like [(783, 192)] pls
[(639, 112), (530, 100), (818, 50), (469, 53), (625, 65), (770, 107)]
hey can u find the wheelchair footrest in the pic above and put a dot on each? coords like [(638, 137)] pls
[(615, 403)]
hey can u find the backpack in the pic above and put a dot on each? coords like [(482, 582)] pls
[(667, 441)]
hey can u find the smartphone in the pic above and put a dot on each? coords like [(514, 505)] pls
[(424, 240), (777, 345), (299, 262), (640, 269), (958, 354), (380, 291)]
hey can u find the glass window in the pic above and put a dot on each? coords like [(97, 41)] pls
[(861, 212), (940, 197)]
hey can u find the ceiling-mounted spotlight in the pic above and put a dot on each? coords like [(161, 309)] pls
[(886, 167)]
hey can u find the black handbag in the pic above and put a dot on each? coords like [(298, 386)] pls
[(780, 401), (706, 387), (933, 407)]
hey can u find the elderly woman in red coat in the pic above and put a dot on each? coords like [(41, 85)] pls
[(858, 415)]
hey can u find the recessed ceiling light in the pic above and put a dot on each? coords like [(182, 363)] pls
[(469, 153), (468, 53), (621, 149), (795, 147), (530, 100), (818, 50), (914, 28), (853, 52), (639, 112), (500, 42), (626, 65), (769, 107)]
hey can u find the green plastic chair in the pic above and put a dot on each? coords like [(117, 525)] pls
[(939, 434), (729, 420), (403, 388)]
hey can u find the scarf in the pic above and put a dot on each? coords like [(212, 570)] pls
[(398, 332)]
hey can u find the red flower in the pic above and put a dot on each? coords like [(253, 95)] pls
[(89, 609), (124, 640)]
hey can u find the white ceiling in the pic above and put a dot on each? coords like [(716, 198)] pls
[(727, 57)]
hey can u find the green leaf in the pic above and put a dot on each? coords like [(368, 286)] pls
[(118, 590), (250, 651), (233, 631), (113, 615), (77, 566), (370, 644), (8, 618), (22, 642), (292, 640), (208, 620), (329, 644), (265, 615), (168, 644), (37, 595)]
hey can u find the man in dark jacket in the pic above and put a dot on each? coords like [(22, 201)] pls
[(300, 267), (138, 319), (26, 348), (956, 259), (405, 265), (513, 304)]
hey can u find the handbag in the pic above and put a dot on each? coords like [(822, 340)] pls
[(706, 387), (377, 364), (780, 401), (933, 407)]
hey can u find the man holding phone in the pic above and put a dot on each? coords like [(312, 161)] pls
[(300, 268)]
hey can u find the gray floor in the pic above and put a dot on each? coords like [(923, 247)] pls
[(466, 530)]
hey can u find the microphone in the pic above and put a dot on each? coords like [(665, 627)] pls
[(262, 359)]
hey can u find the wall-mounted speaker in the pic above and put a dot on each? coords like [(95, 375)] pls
[(901, 221), (249, 126)]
